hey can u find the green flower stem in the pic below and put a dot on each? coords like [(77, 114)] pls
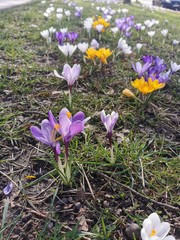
[(112, 160), (70, 96)]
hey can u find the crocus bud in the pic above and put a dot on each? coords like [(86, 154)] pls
[(126, 92)]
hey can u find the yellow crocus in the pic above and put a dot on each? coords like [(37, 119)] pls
[(148, 86), (91, 53), (103, 54)]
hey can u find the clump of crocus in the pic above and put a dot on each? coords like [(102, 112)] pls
[(153, 67), (102, 54), (154, 229), (67, 127), (70, 75), (109, 122), (125, 25), (148, 86), (62, 36)]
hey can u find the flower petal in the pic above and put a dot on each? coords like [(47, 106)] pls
[(78, 116), (163, 229)]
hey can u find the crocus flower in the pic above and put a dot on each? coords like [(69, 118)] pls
[(47, 135), (154, 229), (91, 53), (128, 93), (52, 30), (45, 34), (83, 47), (139, 46), (8, 189), (114, 30), (68, 125), (94, 44), (72, 36), (67, 13), (60, 37), (148, 86), (69, 74), (151, 34), (174, 67), (67, 49), (175, 42), (141, 69), (99, 27), (109, 121), (124, 46), (101, 21), (164, 32), (103, 54), (88, 24)]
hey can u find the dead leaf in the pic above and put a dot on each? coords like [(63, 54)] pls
[(83, 226)]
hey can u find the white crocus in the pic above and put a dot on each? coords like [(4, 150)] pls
[(139, 46), (88, 24), (67, 49), (114, 30), (175, 67), (59, 16), (64, 30), (154, 229), (45, 34), (67, 13), (121, 43), (151, 33), (83, 47), (175, 42), (52, 30), (94, 44), (99, 28), (127, 50), (164, 32), (124, 46), (59, 10), (124, 10)]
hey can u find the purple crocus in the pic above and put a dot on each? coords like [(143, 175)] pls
[(69, 125), (78, 13), (72, 36), (140, 69), (8, 189), (60, 36), (69, 74), (109, 121), (154, 68), (47, 135)]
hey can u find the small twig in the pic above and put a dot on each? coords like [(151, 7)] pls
[(141, 195)]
